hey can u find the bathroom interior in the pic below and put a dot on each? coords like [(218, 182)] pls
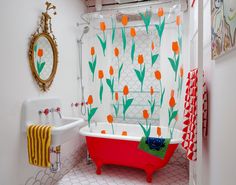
[(113, 92)]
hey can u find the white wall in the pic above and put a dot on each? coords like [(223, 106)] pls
[(218, 149), (18, 21)]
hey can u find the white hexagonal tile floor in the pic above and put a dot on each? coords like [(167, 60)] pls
[(84, 174)]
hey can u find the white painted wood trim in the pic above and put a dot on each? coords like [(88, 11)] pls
[(200, 93)]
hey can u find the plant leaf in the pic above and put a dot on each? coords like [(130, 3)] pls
[(132, 51), (177, 63), (36, 48), (146, 19), (38, 67), (173, 65), (154, 58), (109, 83), (119, 72), (94, 63), (138, 75), (103, 44), (174, 114), (91, 113), (41, 66), (101, 92), (143, 73), (153, 107), (113, 30), (128, 103), (123, 38), (162, 97), (145, 132)]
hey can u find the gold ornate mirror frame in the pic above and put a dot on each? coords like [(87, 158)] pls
[(44, 31)]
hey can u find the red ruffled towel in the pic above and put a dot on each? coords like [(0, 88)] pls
[(189, 142)]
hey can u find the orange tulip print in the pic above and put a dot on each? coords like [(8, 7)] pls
[(153, 46), (124, 133), (40, 52), (91, 111), (132, 32), (100, 74), (110, 119), (145, 114), (151, 90), (90, 100), (116, 96), (140, 59), (111, 70), (116, 52), (175, 47), (126, 102), (178, 20), (126, 90), (160, 12), (103, 41), (124, 20), (103, 131), (181, 71), (103, 26), (116, 105), (159, 131), (157, 75), (172, 102), (92, 51)]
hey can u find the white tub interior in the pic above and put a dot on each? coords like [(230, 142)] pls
[(134, 131)]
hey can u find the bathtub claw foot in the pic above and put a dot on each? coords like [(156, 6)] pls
[(149, 172), (98, 171), (99, 167), (149, 179)]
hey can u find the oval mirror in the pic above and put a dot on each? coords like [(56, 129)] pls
[(43, 57)]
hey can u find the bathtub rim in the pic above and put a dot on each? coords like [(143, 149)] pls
[(84, 131)]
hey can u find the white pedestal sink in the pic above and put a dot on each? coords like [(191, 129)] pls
[(34, 111)]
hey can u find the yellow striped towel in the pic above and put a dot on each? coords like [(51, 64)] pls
[(39, 141)]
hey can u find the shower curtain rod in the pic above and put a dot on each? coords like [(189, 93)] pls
[(116, 8)]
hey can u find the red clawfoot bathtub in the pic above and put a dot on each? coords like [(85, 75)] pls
[(123, 150)]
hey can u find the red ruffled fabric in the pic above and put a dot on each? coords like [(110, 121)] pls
[(189, 142)]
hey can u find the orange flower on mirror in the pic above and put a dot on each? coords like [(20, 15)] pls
[(124, 20), (103, 26), (160, 12), (40, 52)]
